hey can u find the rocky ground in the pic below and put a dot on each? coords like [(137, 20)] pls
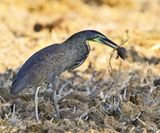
[(99, 96)]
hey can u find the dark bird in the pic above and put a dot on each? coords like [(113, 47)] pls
[(51, 61)]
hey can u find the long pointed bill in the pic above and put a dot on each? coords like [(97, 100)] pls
[(121, 51), (108, 42)]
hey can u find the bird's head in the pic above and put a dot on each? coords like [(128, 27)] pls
[(95, 36)]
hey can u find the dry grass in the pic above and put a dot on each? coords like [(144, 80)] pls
[(124, 102)]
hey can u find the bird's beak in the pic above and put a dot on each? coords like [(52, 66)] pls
[(121, 51), (106, 41)]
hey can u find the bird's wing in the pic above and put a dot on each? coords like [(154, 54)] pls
[(41, 63), (77, 64)]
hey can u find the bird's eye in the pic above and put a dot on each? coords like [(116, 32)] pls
[(99, 36)]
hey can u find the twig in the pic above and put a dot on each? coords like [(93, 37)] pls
[(143, 123), (60, 97), (112, 53), (124, 94), (131, 129), (158, 131), (63, 86), (119, 68), (95, 108), (83, 115), (91, 109), (98, 111), (2, 99), (36, 104)]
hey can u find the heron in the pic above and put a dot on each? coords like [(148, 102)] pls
[(47, 64)]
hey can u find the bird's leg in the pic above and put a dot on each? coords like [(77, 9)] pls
[(36, 104), (54, 95)]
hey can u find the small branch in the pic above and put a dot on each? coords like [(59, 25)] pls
[(131, 131), (3, 99), (112, 53), (143, 123)]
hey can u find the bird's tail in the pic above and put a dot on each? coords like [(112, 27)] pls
[(16, 87)]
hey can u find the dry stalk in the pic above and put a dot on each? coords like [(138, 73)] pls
[(131, 131), (2, 99), (98, 111), (158, 131), (112, 53), (143, 123), (92, 108)]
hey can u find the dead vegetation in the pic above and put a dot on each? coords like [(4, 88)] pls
[(123, 102)]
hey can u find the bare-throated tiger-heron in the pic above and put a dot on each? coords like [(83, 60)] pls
[(51, 61)]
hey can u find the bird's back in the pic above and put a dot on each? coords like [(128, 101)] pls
[(40, 67)]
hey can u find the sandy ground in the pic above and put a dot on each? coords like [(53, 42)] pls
[(93, 97)]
